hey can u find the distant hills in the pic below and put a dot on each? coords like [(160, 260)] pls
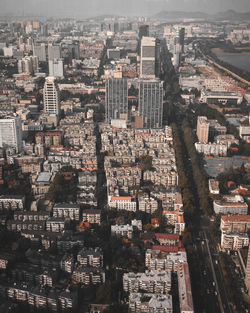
[(229, 15)]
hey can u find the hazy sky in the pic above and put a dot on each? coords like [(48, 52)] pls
[(123, 7)]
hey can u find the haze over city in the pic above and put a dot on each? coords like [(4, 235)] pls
[(86, 8), (124, 156)]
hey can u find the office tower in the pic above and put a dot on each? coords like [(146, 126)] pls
[(40, 52), (143, 31), (202, 130), (44, 30), (11, 133), (116, 105), (51, 97), (151, 103), (74, 51), (150, 58), (182, 38), (54, 52), (56, 68), (116, 27)]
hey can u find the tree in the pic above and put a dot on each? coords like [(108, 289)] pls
[(145, 162)]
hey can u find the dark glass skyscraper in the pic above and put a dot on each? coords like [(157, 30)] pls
[(116, 104), (143, 31), (151, 103)]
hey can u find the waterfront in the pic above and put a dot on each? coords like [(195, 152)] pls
[(240, 60)]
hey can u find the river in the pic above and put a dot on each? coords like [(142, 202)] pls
[(240, 60)]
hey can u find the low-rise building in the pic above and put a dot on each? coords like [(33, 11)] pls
[(213, 186), (167, 239), (234, 241), (227, 140), (216, 149), (67, 210), (176, 219), (235, 223), (12, 202), (55, 224), (67, 263), (5, 260), (150, 303), (90, 257), (88, 275), (122, 231), (185, 291), (92, 216), (160, 260), (158, 282), (122, 203), (244, 132), (147, 204), (230, 205)]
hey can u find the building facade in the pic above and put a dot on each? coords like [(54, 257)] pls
[(151, 103), (116, 104), (51, 97), (11, 133)]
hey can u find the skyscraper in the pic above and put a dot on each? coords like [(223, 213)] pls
[(151, 103), (40, 52), (51, 97), (74, 50), (143, 31), (56, 68), (54, 52), (28, 64), (202, 129), (150, 58), (11, 133), (182, 38), (116, 105)]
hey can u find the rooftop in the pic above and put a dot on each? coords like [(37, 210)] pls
[(44, 177)]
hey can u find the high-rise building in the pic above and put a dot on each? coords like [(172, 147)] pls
[(143, 31), (54, 52), (51, 97), (11, 133), (182, 38), (150, 58), (116, 105), (56, 68), (28, 64), (44, 30), (202, 130), (29, 44), (40, 52), (151, 103), (74, 50)]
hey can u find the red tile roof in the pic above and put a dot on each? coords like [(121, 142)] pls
[(167, 236)]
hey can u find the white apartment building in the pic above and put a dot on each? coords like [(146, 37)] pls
[(158, 282), (234, 241), (11, 133), (51, 96)]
